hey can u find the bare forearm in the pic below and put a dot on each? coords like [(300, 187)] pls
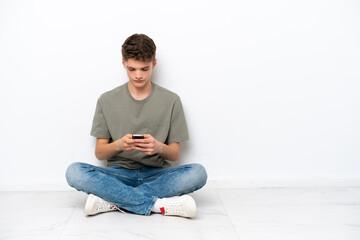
[(170, 152), (106, 151)]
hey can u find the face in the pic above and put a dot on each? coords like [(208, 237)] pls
[(139, 72)]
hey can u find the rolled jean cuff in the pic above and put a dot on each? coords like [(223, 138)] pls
[(150, 206)]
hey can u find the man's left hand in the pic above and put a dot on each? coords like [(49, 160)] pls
[(149, 145)]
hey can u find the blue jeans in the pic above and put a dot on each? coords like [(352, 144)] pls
[(136, 190)]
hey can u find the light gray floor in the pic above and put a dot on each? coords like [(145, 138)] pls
[(260, 213)]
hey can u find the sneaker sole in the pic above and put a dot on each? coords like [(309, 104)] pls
[(189, 204), (89, 202)]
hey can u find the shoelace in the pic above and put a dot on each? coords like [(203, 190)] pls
[(104, 205)]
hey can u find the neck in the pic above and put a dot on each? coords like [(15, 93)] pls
[(140, 93)]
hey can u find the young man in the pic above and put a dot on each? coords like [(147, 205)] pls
[(138, 177)]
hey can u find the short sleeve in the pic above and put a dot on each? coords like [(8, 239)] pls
[(178, 131), (99, 127)]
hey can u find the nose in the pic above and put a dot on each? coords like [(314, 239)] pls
[(138, 75)]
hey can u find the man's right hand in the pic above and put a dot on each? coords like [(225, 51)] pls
[(125, 143)]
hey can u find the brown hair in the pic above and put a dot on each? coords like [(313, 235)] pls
[(139, 47)]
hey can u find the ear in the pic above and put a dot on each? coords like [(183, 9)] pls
[(123, 62), (154, 63)]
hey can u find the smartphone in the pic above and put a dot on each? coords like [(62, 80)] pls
[(137, 136)]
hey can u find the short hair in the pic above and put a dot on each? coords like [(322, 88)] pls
[(139, 47)]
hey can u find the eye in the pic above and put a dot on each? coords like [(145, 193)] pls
[(130, 69), (145, 69)]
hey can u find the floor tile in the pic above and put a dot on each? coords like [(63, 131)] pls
[(292, 206), (36, 200), (246, 214), (299, 232), (35, 215), (294, 214), (269, 196), (30, 235), (28, 223), (143, 232)]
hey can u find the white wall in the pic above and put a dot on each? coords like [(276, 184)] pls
[(270, 88)]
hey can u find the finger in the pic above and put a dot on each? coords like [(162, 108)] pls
[(147, 136), (146, 141), (147, 151), (138, 148), (145, 145), (127, 148), (139, 141)]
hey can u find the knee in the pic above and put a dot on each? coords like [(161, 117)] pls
[(73, 173), (200, 174)]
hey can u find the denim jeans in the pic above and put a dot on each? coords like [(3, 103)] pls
[(135, 190)]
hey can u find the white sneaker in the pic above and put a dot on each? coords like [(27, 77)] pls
[(95, 205), (183, 206)]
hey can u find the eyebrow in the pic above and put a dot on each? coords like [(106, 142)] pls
[(135, 68)]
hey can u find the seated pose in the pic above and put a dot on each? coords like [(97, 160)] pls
[(139, 126)]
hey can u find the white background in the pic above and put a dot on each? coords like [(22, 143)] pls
[(270, 88)]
